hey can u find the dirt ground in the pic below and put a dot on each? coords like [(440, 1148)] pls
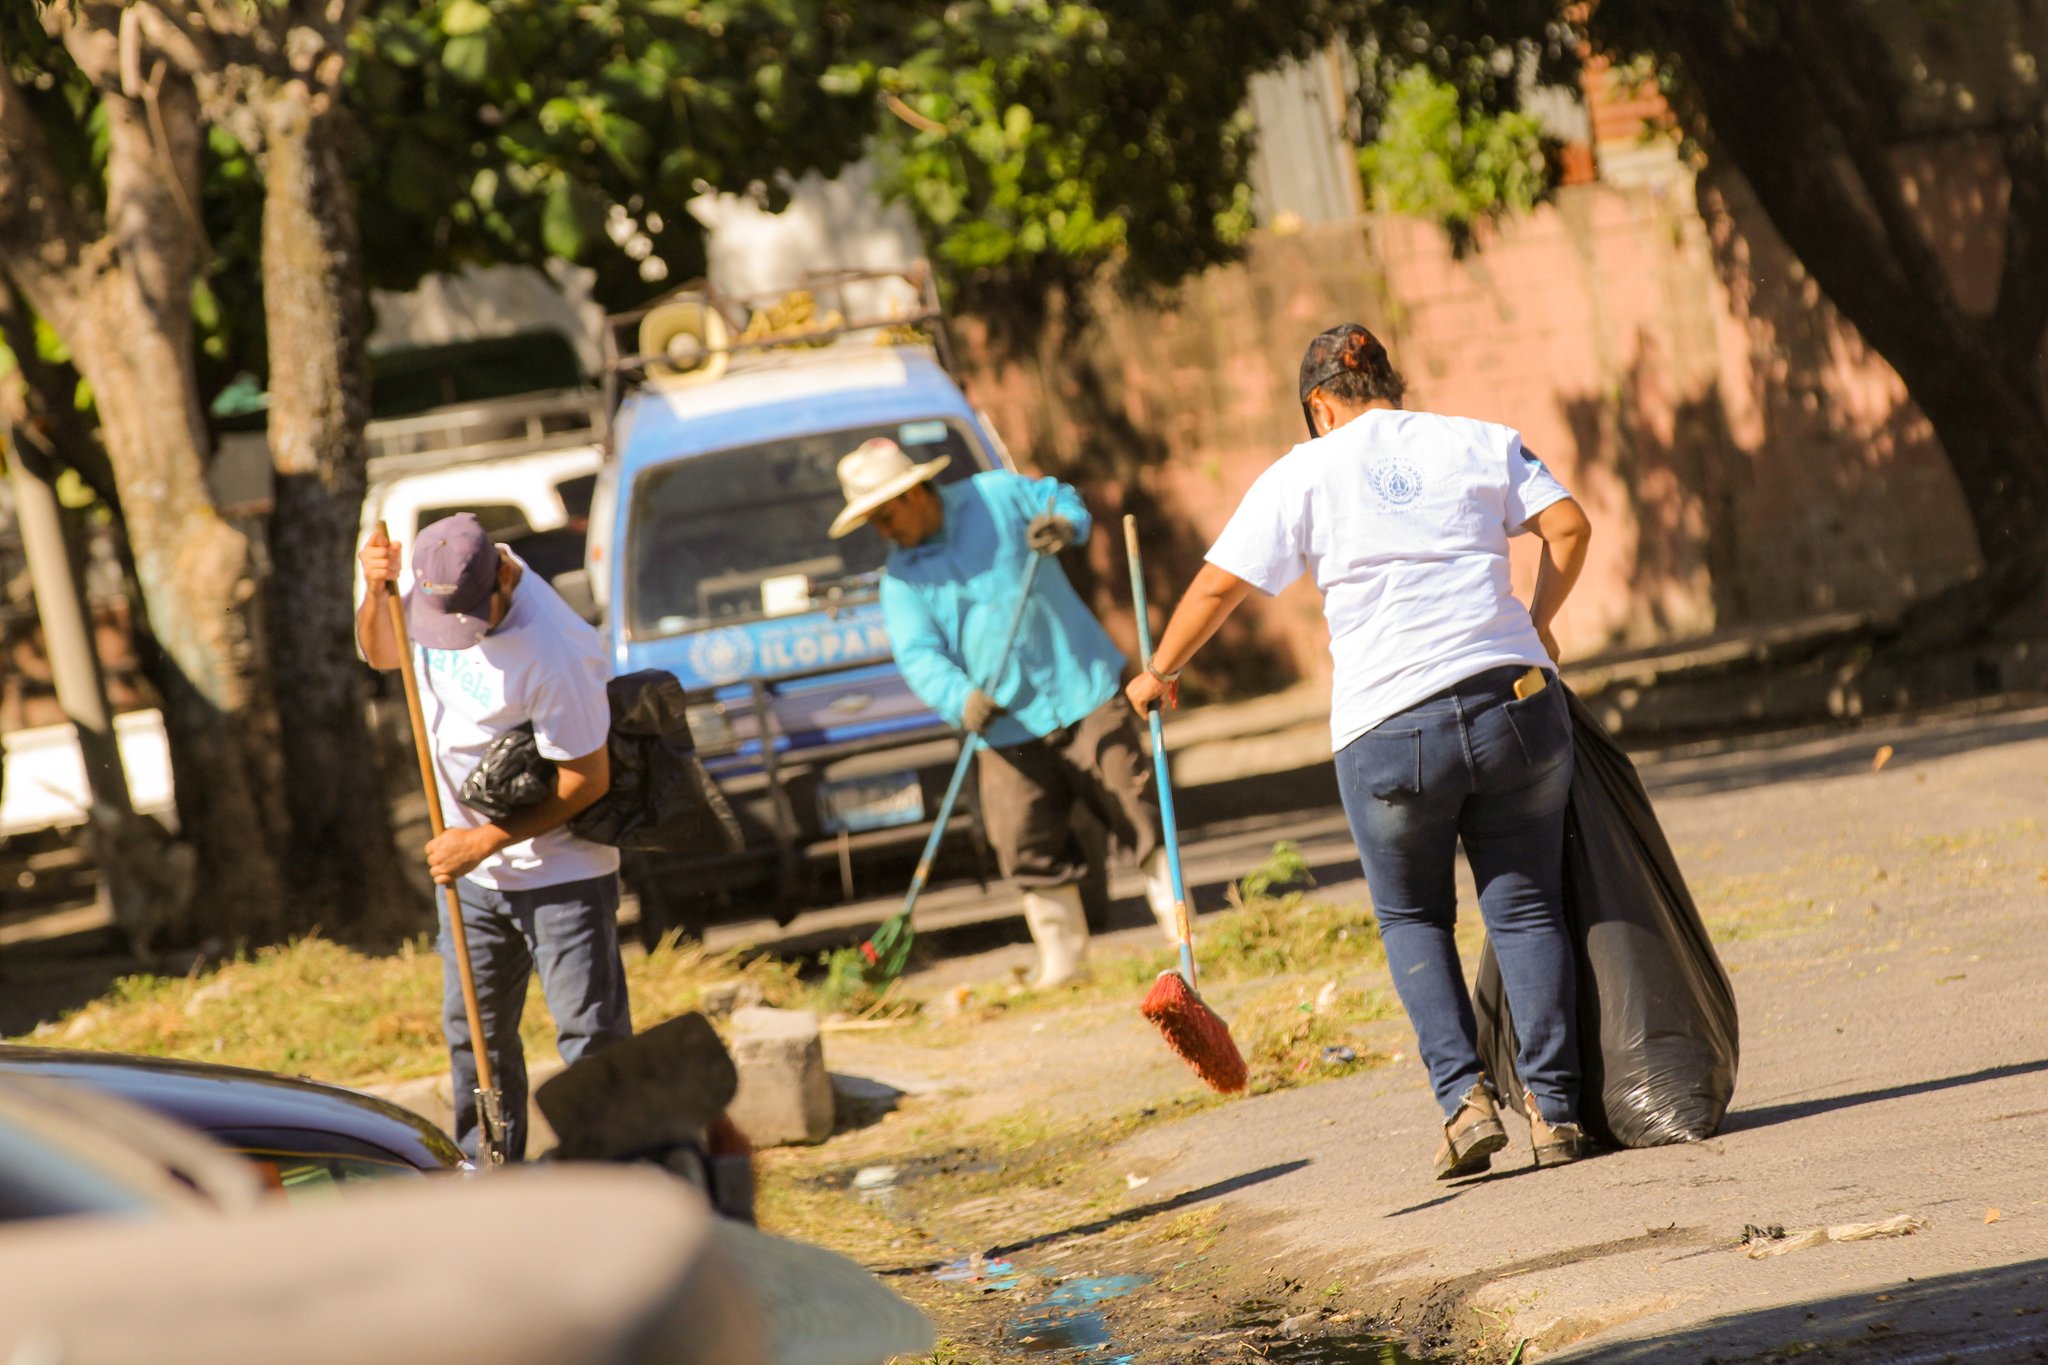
[(1052, 1184)]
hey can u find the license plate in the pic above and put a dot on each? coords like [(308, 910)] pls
[(864, 803)]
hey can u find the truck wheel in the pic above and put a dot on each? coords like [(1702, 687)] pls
[(666, 908)]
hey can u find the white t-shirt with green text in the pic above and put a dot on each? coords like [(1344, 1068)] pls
[(544, 665)]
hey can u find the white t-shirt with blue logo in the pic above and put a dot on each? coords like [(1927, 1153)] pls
[(1403, 520), (543, 665)]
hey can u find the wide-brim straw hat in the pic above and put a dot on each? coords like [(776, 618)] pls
[(875, 473)]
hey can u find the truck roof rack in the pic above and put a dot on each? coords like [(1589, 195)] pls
[(494, 428), (625, 365)]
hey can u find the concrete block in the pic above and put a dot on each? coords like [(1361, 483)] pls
[(721, 998), (785, 1094)]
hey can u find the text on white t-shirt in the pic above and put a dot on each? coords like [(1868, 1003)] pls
[(544, 665)]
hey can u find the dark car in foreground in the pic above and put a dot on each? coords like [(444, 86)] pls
[(67, 1152), (302, 1136)]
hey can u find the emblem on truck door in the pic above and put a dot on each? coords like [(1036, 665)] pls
[(722, 656)]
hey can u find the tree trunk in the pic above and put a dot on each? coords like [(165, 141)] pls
[(1995, 436), (120, 295), (343, 858), (196, 582)]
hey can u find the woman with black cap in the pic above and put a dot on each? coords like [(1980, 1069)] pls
[(1446, 718)]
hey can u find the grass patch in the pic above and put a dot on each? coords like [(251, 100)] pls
[(1198, 1230), (1038, 1150), (1289, 1039), (1290, 935), (317, 1008), (950, 1353), (789, 1204), (1266, 933), (314, 1007)]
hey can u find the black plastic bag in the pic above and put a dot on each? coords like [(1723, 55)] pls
[(1656, 1014), (661, 798), (509, 777)]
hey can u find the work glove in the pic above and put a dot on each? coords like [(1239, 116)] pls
[(979, 709), (1049, 533)]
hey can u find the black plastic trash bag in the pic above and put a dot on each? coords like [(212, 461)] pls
[(1657, 1026), (509, 777), (661, 799)]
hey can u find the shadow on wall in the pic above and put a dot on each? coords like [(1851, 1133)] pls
[(1798, 480), (1848, 500), (1682, 492)]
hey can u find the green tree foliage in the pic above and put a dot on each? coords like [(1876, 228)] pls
[(1035, 137), (1030, 138), (1033, 140), (1437, 158), (508, 131)]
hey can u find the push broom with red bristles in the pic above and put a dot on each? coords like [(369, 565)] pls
[(1190, 1027)]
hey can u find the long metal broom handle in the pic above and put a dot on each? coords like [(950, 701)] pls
[(1169, 828)]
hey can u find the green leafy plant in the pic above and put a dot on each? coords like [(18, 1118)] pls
[(1457, 165), (845, 988), (1284, 866)]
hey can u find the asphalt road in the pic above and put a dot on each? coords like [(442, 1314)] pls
[(1883, 932)]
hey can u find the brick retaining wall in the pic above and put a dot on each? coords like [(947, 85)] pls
[(1745, 457)]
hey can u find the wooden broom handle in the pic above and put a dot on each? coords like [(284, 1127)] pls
[(478, 1045)]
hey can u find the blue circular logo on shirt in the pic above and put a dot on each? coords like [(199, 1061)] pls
[(1396, 480)]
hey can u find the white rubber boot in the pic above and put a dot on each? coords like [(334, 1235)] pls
[(1060, 929), (1159, 893)]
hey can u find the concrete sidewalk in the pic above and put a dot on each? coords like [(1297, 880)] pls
[(1883, 930)]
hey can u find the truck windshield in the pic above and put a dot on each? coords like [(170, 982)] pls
[(742, 534)]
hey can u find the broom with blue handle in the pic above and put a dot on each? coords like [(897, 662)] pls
[(1190, 1028)]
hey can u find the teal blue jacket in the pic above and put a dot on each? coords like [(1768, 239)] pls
[(948, 602)]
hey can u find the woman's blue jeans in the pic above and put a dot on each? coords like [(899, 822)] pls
[(1473, 763)]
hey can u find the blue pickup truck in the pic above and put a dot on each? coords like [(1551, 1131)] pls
[(709, 557)]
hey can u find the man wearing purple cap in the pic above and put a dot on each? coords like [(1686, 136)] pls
[(496, 648)]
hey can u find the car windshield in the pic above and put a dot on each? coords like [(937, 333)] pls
[(742, 534)]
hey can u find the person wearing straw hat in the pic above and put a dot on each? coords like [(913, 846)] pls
[(1446, 718), (495, 648), (1049, 714)]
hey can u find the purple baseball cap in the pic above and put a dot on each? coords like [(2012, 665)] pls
[(454, 572)]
